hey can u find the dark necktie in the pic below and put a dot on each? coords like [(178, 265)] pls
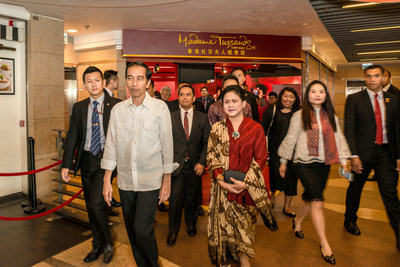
[(378, 121), (95, 145), (204, 102)]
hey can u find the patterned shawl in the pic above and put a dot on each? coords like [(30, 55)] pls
[(230, 225)]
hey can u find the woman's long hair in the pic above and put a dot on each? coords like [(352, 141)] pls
[(296, 104), (308, 108)]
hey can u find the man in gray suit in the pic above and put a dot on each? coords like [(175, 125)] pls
[(190, 129)]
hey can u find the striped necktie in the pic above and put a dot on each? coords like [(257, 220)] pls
[(95, 145)]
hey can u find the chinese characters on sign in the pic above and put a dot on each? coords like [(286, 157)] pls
[(221, 45)]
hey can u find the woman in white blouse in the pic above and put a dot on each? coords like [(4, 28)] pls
[(314, 141)]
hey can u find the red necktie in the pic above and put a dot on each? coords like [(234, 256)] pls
[(186, 125), (378, 121)]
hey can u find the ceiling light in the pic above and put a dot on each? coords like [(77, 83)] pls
[(387, 42), (305, 24), (379, 52), (72, 30), (377, 59), (359, 5), (376, 29)]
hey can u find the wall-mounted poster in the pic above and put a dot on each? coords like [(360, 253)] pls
[(7, 86)]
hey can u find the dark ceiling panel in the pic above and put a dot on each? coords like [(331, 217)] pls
[(341, 21)]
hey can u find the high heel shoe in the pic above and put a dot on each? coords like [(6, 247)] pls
[(328, 258), (289, 214), (298, 234)]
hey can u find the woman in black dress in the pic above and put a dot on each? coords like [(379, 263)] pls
[(276, 122)]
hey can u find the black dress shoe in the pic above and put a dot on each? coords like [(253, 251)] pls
[(298, 234), (192, 230), (93, 255), (352, 228), (112, 212), (200, 211), (270, 222), (328, 258), (289, 214), (108, 253), (115, 203), (162, 207), (171, 239)]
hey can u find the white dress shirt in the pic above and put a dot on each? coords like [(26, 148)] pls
[(110, 92), (190, 117), (386, 87), (139, 141), (100, 109), (382, 107)]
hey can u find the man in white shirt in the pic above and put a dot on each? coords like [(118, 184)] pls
[(140, 143)]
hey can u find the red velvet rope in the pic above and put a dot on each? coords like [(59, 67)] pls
[(31, 172), (41, 214)]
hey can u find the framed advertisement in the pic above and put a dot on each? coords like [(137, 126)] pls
[(7, 80)]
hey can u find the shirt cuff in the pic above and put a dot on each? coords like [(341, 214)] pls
[(168, 168), (353, 156), (283, 161), (108, 164), (216, 172)]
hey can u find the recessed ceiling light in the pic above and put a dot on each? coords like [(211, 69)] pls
[(379, 52), (374, 43), (377, 59), (305, 24), (72, 30), (376, 29), (360, 5)]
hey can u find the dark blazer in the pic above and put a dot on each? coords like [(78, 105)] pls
[(209, 101), (76, 135), (174, 105), (360, 126), (196, 146), (393, 90)]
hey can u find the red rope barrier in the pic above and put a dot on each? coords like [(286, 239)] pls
[(41, 214), (31, 172)]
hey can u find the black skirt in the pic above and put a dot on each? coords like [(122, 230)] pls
[(313, 176)]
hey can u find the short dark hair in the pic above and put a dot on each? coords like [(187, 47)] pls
[(151, 83), (308, 108), (204, 88), (91, 69), (138, 63), (110, 75), (374, 66), (179, 89), (185, 83), (272, 94), (389, 74), (235, 89), (262, 87), (229, 77), (239, 68), (296, 104)]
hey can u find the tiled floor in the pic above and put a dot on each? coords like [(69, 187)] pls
[(375, 246)]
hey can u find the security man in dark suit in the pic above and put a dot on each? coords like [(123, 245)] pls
[(387, 85), (372, 129), (86, 135), (205, 99), (190, 129), (174, 104)]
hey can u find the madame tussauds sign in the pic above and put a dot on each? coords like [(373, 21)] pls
[(216, 46)]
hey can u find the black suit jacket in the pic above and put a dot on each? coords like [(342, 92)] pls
[(76, 135), (360, 126), (209, 101), (393, 90), (174, 105), (196, 146)]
